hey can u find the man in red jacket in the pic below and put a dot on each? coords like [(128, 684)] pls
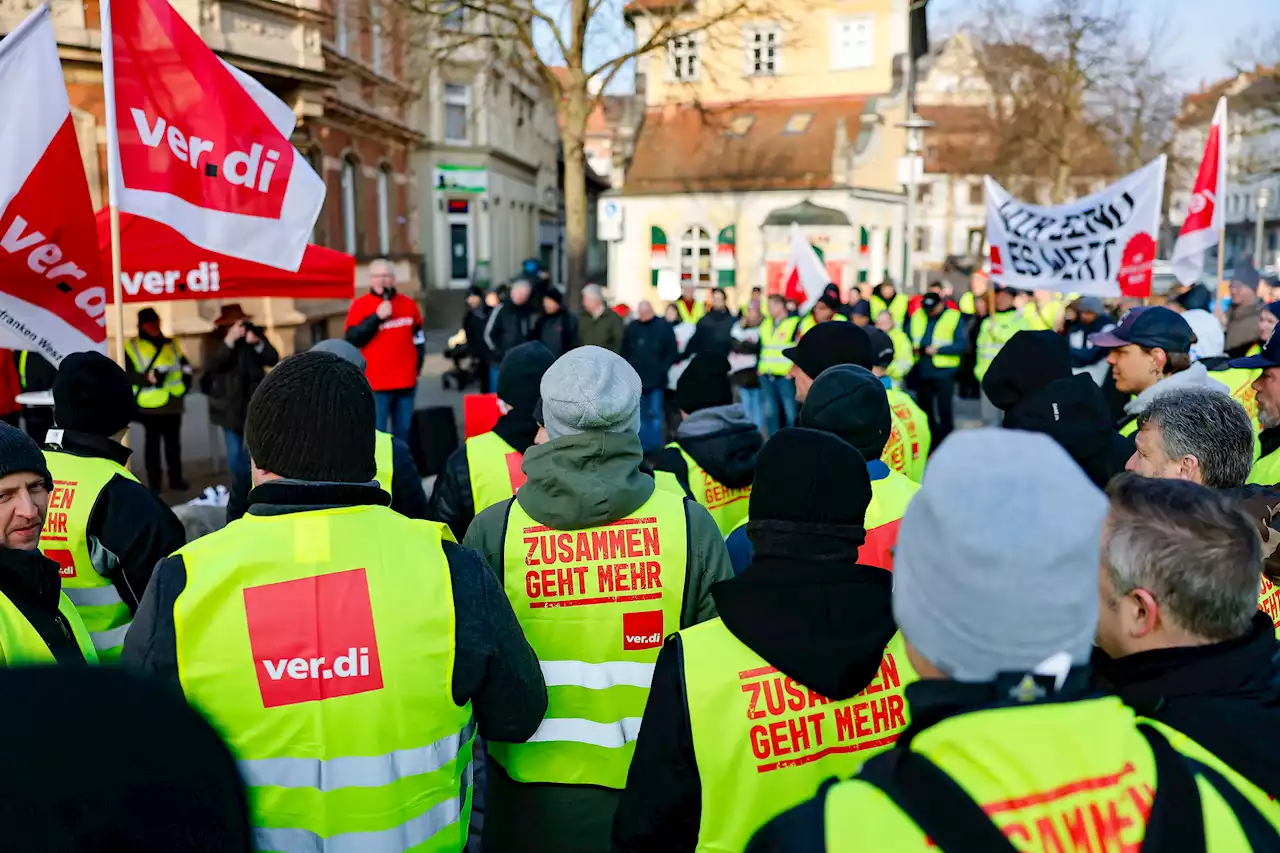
[(387, 328)]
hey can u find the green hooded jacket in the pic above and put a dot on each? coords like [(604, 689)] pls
[(574, 482)]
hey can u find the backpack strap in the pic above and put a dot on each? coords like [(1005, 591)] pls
[(1261, 834), (936, 803), (1176, 822)]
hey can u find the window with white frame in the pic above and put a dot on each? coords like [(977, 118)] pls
[(763, 51), (852, 43), (683, 63), (375, 37), (977, 196), (350, 205), (695, 257), (384, 211), (457, 112), (340, 35)]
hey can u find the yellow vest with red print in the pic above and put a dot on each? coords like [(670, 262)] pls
[(1054, 777), (727, 506), (78, 482), (764, 742), (495, 470), (900, 453), (1269, 602), (595, 605), (1240, 381), (915, 434), (321, 646)]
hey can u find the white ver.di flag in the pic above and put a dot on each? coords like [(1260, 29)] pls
[(1102, 245)]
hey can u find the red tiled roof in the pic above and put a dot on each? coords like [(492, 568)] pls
[(650, 5), (690, 148)]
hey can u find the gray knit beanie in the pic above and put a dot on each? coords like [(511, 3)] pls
[(590, 389), (996, 568)]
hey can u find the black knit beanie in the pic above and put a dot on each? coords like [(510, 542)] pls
[(521, 375), (91, 394), (850, 402), (704, 384), (805, 476), (19, 453), (313, 419)]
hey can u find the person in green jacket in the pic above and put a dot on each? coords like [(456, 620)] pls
[(587, 476), (598, 326)]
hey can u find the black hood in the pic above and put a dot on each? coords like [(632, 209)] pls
[(1074, 413), (824, 620), (1027, 363), (725, 442)]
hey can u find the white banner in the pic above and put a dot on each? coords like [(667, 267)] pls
[(1102, 245)]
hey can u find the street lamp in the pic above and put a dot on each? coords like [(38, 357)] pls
[(1264, 199), (911, 168)]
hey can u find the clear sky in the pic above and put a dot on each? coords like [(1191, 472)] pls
[(1202, 33)]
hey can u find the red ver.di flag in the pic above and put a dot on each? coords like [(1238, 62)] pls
[(52, 300), (199, 145), (1101, 245), (1204, 213)]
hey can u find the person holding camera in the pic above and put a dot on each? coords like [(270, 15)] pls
[(236, 361)]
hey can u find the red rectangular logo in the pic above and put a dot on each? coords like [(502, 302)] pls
[(66, 563), (642, 630), (313, 638)]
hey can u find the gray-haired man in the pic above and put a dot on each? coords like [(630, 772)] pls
[(1194, 434), (1180, 636)]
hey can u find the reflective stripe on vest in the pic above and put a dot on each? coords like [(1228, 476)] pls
[(1052, 776), (384, 460), (944, 334), (595, 605), (314, 705), (168, 366), (763, 742), (774, 338), (916, 436), (78, 482), (996, 331), (727, 506), (22, 645), (494, 468)]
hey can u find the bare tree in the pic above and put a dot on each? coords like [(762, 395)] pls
[(577, 48), (1256, 59), (1074, 92)]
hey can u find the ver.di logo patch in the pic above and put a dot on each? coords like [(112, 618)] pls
[(313, 638), (642, 630)]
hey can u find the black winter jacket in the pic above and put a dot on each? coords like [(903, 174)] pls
[(714, 333), (650, 348), (129, 523), (451, 501), (30, 581), (232, 374), (509, 326), (494, 667), (807, 607), (473, 324), (407, 497), (1074, 413), (1224, 696), (558, 332)]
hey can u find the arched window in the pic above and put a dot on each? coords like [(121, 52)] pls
[(695, 257), (351, 205), (384, 211)]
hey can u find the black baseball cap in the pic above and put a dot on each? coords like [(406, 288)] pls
[(1269, 357), (881, 347), (829, 344), (1152, 326)]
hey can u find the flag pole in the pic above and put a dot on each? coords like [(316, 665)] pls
[(114, 184)]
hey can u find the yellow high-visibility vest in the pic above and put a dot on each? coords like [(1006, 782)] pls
[(167, 365)]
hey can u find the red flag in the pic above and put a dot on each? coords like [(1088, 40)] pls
[(1204, 213), (51, 296), (198, 145)]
